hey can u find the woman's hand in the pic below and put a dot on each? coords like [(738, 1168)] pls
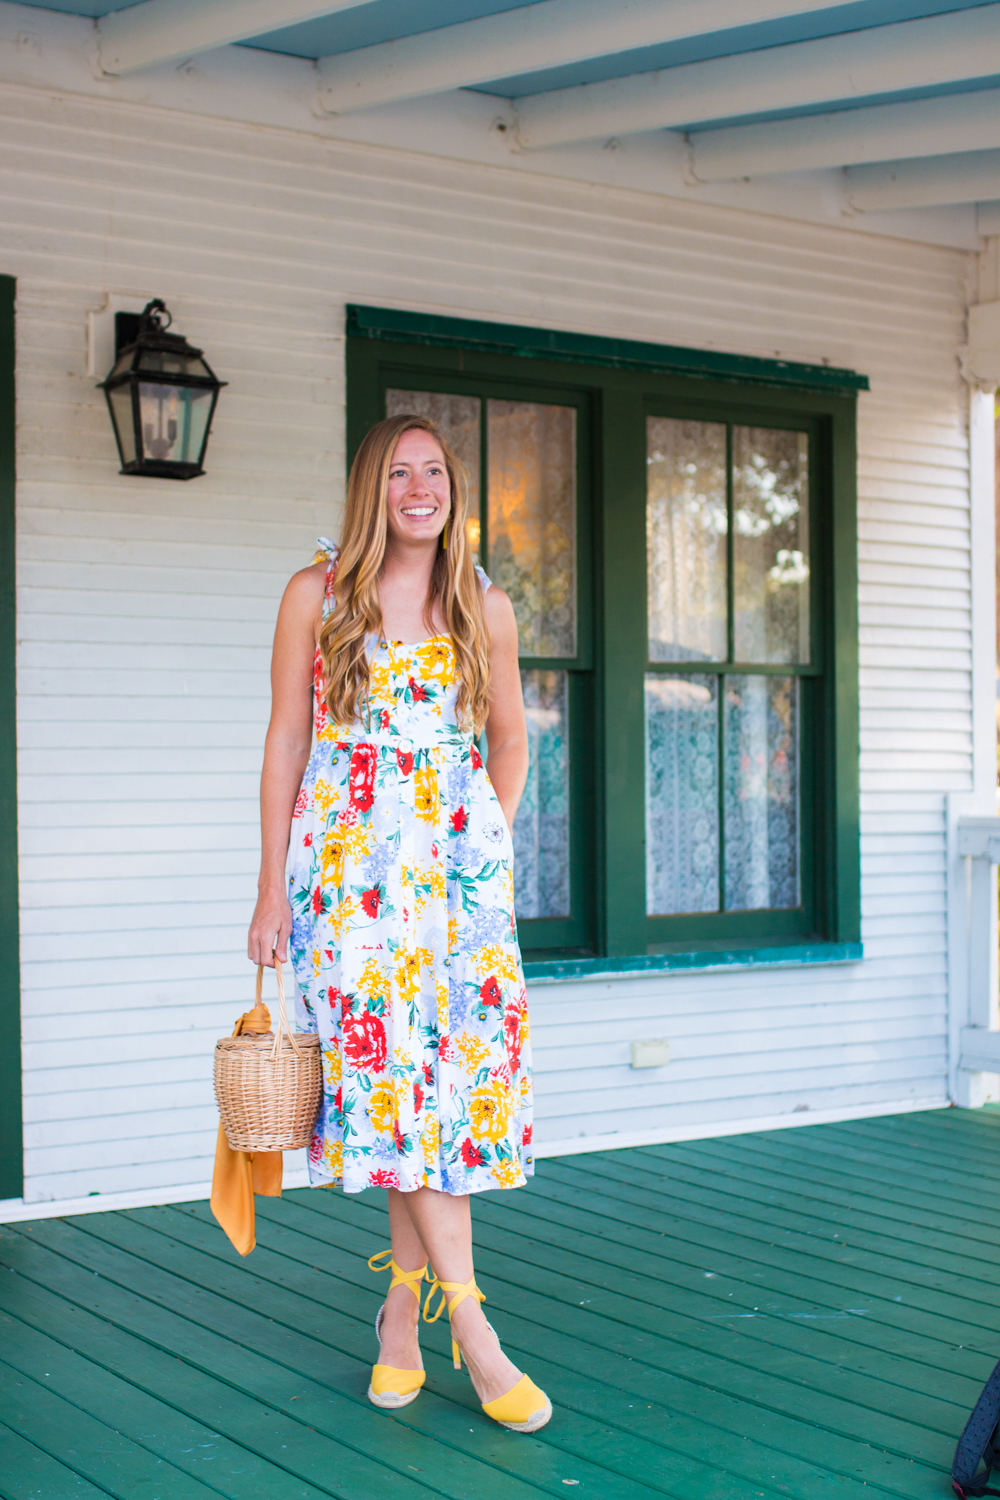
[(270, 929)]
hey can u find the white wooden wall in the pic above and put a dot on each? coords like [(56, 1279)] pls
[(146, 607)]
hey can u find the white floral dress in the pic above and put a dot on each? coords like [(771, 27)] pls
[(404, 942)]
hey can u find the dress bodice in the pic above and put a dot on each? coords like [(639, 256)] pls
[(413, 687)]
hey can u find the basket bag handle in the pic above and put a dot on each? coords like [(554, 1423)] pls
[(283, 1027)]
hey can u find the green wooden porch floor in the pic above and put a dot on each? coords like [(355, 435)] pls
[(805, 1313)]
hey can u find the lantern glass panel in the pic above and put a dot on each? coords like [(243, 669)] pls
[(172, 362), (174, 421), (122, 364), (121, 412)]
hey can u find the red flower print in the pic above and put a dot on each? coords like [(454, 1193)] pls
[(404, 759), (428, 1075), (489, 992), (383, 1178), (307, 841), (370, 900), (444, 1050), (418, 1098), (435, 853), (417, 691), (398, 1137), (364, 1042), (385, 718), (471, 1155), (459, 818), (329, 953), (512, 1033), (338, 1100), (526, 1138), (477, 759), (316, 1148), (363, 759), (317, 902), (300, 804)]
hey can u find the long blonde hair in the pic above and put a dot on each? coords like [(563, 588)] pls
[(356, 612)]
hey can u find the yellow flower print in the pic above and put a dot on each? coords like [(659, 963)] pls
[(506, 1174), (452, 934), (324, 797), (341, 914), (380, 679), (358, 839), (427, 797), (382, 1106), (375, 983), (333, 1064), (317, 955), (333, 1158), (408, 966), (495, 959), (436, 658), (473, 1051), (489, 1111), (430, 1139), (443, 1013), (333, 860), (524, 1091)]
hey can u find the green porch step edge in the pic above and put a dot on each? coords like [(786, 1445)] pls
[(786, 954), (440, 332)]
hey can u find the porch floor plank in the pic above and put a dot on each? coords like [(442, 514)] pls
[(807, 1314)]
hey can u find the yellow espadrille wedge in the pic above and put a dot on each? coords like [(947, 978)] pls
[(391, 1387), (524, 1408)]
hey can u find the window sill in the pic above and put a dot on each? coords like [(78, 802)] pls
[(549, 971)]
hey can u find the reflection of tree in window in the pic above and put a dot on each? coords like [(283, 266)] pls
[(532, 520), (770, 545)]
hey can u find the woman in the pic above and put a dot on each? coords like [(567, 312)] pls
[(400, 906)]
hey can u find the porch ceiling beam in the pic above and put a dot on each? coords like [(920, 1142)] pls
[(967, 177), (548, 34), (880, 132), (160, 31), (906, 55)]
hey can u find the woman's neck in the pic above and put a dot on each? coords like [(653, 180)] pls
[(404, 584)]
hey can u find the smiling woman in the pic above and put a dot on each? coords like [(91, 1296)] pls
[(395, 649)]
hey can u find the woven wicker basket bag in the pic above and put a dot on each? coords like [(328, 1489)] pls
[(268, 1088)]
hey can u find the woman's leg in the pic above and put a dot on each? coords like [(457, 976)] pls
[(442, 1223), (400, 1339)]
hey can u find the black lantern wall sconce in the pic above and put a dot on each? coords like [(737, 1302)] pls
[(161, 394)]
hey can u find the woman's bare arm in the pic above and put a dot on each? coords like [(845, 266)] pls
[(286, 753), (506, 731)]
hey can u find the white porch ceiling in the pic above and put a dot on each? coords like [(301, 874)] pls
[(903, 96)]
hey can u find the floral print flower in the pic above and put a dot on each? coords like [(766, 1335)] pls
[(489, 1111)]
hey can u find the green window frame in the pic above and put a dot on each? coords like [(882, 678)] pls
[(614, 385), (11, 1114)]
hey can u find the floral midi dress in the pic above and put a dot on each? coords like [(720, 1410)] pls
[(404, 941)]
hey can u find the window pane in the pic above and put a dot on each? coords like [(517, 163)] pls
[(458, 419), (686, 540), (682, 794), (761, 762), (532, 520), (771, 544), (541, 827)]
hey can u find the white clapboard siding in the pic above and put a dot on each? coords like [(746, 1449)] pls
[(146, 609)]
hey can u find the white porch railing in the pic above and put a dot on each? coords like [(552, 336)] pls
[(974, 968)]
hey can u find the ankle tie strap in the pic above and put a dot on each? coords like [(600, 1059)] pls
[(412, 1279), (461, 1291)]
